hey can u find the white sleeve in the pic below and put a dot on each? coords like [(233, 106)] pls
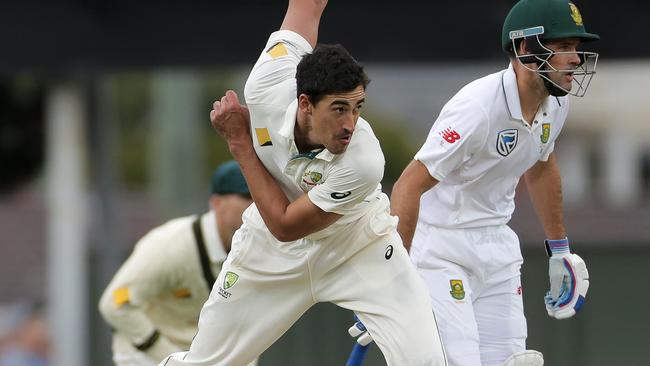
[(457, 134), (351, 180), (547, 152), (276, 66)]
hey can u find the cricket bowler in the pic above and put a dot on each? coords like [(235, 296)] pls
[(320, 228)]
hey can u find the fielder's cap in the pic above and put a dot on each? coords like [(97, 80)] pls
[(555, 18), (228, 179)]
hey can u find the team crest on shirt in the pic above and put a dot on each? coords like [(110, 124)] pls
[(229, 281), (310, 179), (457, 289), (546, 132), (506, 141)]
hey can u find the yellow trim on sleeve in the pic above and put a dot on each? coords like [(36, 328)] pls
[(278, 50), (182, 292), (121, 296), (263, 137)]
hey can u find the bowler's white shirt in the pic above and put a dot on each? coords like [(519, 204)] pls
[(479, 147), (339, 183)]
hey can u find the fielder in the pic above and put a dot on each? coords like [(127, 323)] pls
[(153, 302), (455, 198), (320, 228)]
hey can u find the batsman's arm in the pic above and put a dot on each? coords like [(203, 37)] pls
[(303, 17), (544, 186), (405, 199)]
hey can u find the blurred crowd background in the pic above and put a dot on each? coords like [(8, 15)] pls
[(104, 133)]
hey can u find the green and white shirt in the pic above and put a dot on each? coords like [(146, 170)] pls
[(479, 147)]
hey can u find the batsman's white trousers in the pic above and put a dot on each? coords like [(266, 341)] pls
[(266, 285), (474, 283)]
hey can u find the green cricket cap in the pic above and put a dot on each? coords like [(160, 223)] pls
[(228, 179)]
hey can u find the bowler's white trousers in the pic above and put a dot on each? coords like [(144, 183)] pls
[(266, 285), (474, 282)]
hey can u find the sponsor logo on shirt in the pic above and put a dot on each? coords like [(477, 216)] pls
[(182, 293), (340, 195), (389, 252), (506, 141), (121, 296), (263, 137), (449, 135), (278, 50), (546, 132), (457, 290)]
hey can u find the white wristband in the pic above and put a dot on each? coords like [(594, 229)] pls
[(559, 246)]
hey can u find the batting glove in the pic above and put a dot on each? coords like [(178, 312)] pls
[(528, 357), (569, 280), (359, 331)]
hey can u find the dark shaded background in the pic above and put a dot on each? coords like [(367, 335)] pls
[(95, 34)]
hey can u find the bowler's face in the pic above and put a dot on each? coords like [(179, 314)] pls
[(334, 118)]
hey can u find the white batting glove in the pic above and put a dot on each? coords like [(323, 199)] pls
[(528, 357), (359, 331), (569, 280)]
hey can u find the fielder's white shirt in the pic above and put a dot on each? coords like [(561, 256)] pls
[(479, 147), (161, 287), (342, 183)]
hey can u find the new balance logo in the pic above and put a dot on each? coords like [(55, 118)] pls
[(449, 135)]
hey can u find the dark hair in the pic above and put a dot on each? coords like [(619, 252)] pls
[(329, 69), (511, 50)]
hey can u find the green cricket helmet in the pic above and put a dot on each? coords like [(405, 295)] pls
[(536, 21)]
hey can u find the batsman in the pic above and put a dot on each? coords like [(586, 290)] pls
[(455, 199)]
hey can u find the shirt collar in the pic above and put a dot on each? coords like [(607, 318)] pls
[(213, 243), (289, 123), (509, 83)]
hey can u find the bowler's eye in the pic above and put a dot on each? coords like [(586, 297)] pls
[(339, 109)]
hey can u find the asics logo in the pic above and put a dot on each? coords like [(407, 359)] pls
[(339, 195), (389, 252)]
